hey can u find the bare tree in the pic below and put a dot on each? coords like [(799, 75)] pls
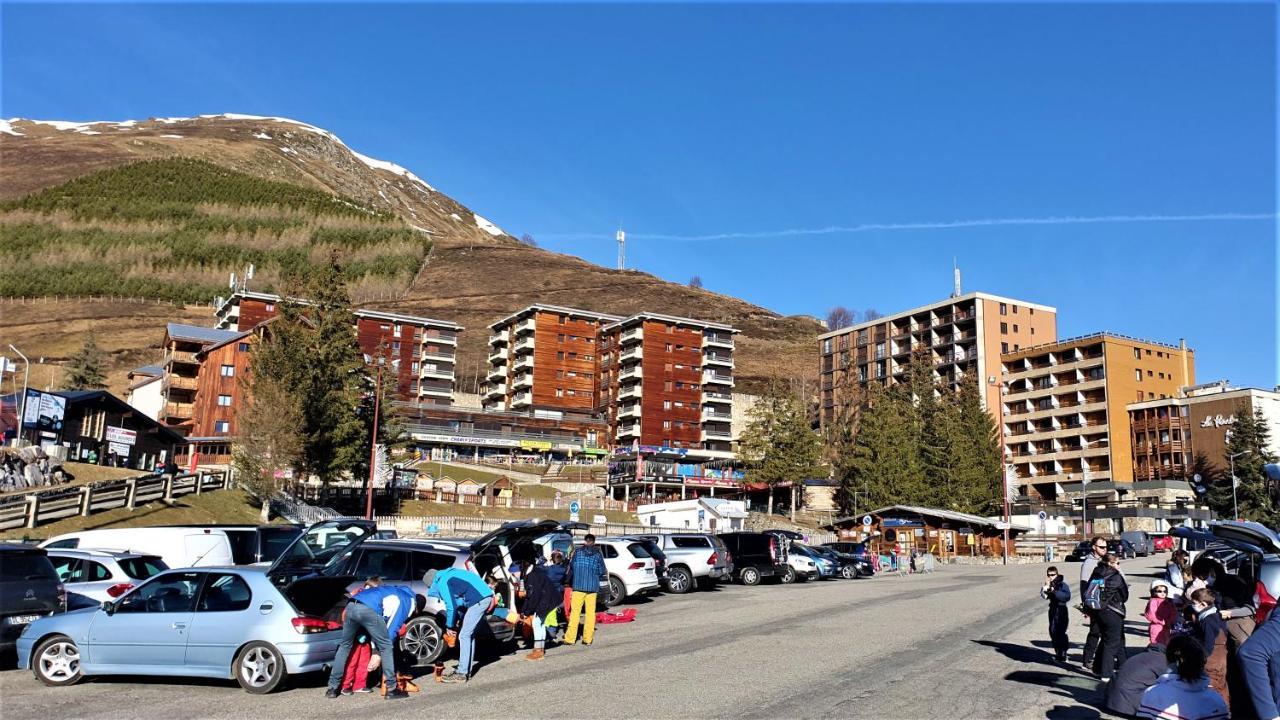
[(871, 314), (527, 239), (840, 317), (268, 438), (695, 282)]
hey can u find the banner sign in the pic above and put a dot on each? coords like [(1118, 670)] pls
[(121, 436), (465, 440), (120, 449), (44, 411)]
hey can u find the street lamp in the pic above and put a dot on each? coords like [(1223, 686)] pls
[(26, 372), (1235, 505), (373, 450)]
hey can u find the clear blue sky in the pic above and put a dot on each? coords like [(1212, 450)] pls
[(688, 122)]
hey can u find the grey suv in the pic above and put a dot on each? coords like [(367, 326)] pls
[(693, 560), (29, 590)]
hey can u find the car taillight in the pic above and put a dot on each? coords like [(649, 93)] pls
[(712, 560), (119, 589), (308, 625), (1264, 601), (636, 566)]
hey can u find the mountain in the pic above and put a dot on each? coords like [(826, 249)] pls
[(172, 206)]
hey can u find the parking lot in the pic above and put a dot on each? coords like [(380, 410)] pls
[(965, 642)]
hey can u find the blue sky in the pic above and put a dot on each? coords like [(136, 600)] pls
[(686, 123)]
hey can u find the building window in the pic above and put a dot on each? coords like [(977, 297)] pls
[(1004, 347), (224, 401), (1140, 396), (667, 386), (413, 367), (559, 374), (560, 337), (1004, 309), (271, 307), (1032, 311), (666, 424), (1004, 328), (1148, 352), (222, 427), (1015, 347), (826, 346), (559, 392), (1137, 375), (559, 354), (244, 347), (228, 371), (395, 330), (1015, 309), (666, 404), (1015, 326), (1149, 373), (395, 346), (1137, 354), (563, 320)]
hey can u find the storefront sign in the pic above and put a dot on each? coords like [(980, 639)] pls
[(121, 436), (120, 449), (535, 445), (1217, 421), (465, 440)]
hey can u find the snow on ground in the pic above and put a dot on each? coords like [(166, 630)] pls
[(177, 137), (455, 216), (288, 150), (6, 127), (389, 167), (262, 136), (487, 226)]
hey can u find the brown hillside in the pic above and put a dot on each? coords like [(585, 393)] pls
[(472, 276)]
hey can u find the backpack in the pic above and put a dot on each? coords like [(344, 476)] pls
[(1093, 594)]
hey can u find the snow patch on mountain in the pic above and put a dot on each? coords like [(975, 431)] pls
[(487, 226), (6, 127), (262, 136)]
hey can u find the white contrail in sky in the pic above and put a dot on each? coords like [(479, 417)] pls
[(948, 225)]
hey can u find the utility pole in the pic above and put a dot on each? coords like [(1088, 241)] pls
[(373, 452), (26, 373)]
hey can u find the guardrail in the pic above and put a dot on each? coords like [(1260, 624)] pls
[(454, 526), (33, 509)]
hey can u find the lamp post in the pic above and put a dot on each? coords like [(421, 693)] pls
[(26, 373), (1235, 506), (373, 450), (1084, 499)]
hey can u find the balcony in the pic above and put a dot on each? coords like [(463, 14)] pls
[(628, 430), (716, 434), (178, 382), (709, 415), (495, 391), (523, 399), (524, 362), (527, 325), (523, 380), (715, 395), (629, 411), (497, 373), (498, 356), (632, 354), (436, 337), (714, 359), (178, 411), (633, 335), (626, 392), (524, 344), (714, 378), (717, 339), (448, 357), (635, 372), (436, 373), (498, 339), (181, 357)]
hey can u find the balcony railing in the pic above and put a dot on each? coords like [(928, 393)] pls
[(178, 410), (524, 344), (180, 356), (632, 335), (179, 382)]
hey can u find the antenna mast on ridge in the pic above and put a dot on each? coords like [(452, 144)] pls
[(622, 250), (955, 271)]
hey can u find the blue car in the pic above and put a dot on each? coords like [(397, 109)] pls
[(827, 567), (253, 624)]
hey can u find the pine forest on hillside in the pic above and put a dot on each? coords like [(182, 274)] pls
[(174, 229)]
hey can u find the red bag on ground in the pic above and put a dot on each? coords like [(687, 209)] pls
[(626, 616)]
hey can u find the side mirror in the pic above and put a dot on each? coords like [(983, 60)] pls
[(108, 607)]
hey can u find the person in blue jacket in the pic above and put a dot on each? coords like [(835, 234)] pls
[(1058, 593), (1260, 660), (366, 612), (468, 598)]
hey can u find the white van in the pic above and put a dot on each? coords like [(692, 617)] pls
[(179, 547)]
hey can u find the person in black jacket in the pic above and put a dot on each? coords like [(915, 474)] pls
[(1124, 692), (541, 597), (1115, 593), (1058, 593)]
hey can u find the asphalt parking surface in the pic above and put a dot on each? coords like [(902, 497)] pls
[(963, 642)]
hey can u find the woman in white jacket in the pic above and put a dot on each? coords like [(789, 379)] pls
[(1183, 693)]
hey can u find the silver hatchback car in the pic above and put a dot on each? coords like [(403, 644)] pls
[(103, 575), (253, 624)]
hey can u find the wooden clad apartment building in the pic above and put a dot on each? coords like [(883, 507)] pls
[(544, 358)]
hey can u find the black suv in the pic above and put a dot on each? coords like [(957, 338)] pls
[(755, 555), (29, 589)]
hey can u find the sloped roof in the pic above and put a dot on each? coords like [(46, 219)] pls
[(974, 520), (196, 333), (76, 397), (148, 370)]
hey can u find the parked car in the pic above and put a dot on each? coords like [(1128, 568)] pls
[(1163, 543), (1141, 541), (656, 552), (256, 543), (828, 566), (756, 556), (1122, 548), (693, 559), (406, 561), (103, 574), (856, 549), (254, 624), (29, 590), (846, 565), (1255, 555), (197, 546), (1080, 551), (631, 568)]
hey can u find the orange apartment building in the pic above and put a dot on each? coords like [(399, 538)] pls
[(962, 334), (1064, 408), (667, 382), (425, 348), (545, 359)]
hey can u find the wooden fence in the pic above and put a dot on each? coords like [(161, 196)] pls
[(454, 526), (46, 505)]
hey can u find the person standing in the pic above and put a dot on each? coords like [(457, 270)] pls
[(1260, 664), (467, 599), (1184, 693), (1058, 593), (1110, 617), (542, 597), (365, 613), (1097, 549), (1161, 612), (587, 569)]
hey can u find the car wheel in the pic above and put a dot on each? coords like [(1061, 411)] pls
[(259, 668), (848, 572), (56, 662), (749, 576), (679, 581), (422, 640), (789, 576), (617, 591)]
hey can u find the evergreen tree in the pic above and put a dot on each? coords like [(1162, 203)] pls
[(886, 455), (85, 369), (1256, 497), (778, 444), (976, 447)]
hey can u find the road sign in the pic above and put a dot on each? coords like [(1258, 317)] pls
[(433, 529), (866, 520), (574, 507), (1042, 515), (702, 514)]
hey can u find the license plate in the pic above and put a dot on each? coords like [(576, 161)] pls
[(21, 619), (648, 571)]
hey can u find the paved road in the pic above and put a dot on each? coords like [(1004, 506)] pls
[(965, 642)]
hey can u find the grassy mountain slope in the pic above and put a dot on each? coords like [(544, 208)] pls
[(297, 192)]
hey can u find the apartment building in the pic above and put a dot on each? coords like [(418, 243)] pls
[(1168, 433), (421, 350), (1064, 407), (963, 334), (545, 359), (668, 382), (181, 370), (220, 395)]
